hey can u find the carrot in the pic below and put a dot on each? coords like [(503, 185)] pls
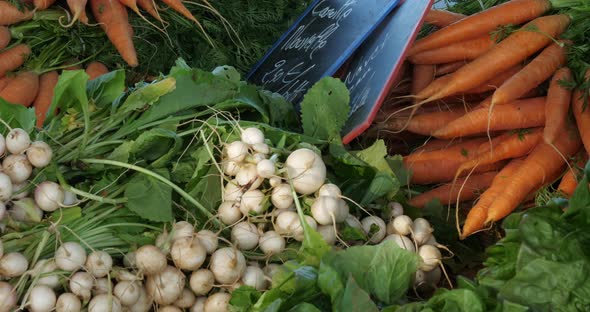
[(526, 113), (4, 81), (22, 89), (96, 69), (4, 37), (441, 170), (477, 215), (13, 58), (582, 115), (569, 181), (513, 12), (462, 150), (448, 68), (179, 7), (47, 83), (532, 75), (543, 162), (435, 145), (434, 87), (423, 75), (514, 49), (9, 14), (459, 51), (150, 7), (557, 106), (495, 82), (423, 124), (43, 4), (464, 189), (78, 9), (442, 18), (114, 20)]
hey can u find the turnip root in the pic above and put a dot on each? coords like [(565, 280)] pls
[(68, 302), (2, 146), (218, 302), (45, 269), (186, 300), (252, 136), (7, 297), (25, 210), (81, 285), (99, 263), (274, 182), (252, 201), (329, 210), (166, 286), (248, 176), (5, 187), (395, 210), (102, 286), (188, 254), (42, 299), (421, 231), (261, 148), (143, 304), (281, 196), (286, 223), (265, 168), (236, 151), (202, 281), (199, 305), (17, 192), (3, 213), (232, 191), (430, 278), (371, 222), (328, 233), (230, 168), (17, 141), (129, 260), (254, 277), (17, 167), (299, 233), (127, 292), (182, 230), (307, 171), (103, 303), (169, 308), (330, 189), (271, 243), (69, 198), (1, 249), (209, 240), (402, 224), (228, 265), (402, 241), (431, 257), (244, 236), (39, 154), (150, 259), (353, 222), (229, 212), (13, 264)]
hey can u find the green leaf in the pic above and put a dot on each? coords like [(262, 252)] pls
[(324, 109), (304, 307), (149, 198), (457, 300), (579, 204), (147, 95), (354, 299), (384, 270), (107, 88), (281, 113), (157, 146), (375, 156), (383, 184), (122, 152), (17, 116), (243, 298)]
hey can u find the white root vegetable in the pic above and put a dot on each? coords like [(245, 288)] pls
[(265, 168), (244, 236), (299, 233), (274, 182), (5, 187), (254, 277), (327, 210), (102, 286), (150, 259), (199, 305), (99, 263), (201, 282), (228, 265), (17, 167), (353, 222), (17, 141), (143, 304), (186, 300), (25, 210), (431, 257), (232, 191), (3, 213), (169, 308), (271, 269), (390, 228), (248, 176), (13, 264), (252, 136), (256, 158), (104, 302), (164, 242), (81, 285), (129, 260), (330, 189), (431, 241), (7, 297), (17, 192), (182, 230), (307, 171), (286, 223), (402, 241), (271, 243), (395, 209), (252, 201), (261, 148), (188, 253), (45, 269), (166, 286), (328, 233), (49, 196), (69, 198), (68, 302), (281, 196), (39, 154), (236, 151), (430, 278), (229, 212), (421, 231), (2, 145), (42, 299), (209, 240), (218, 302), (128, 292), (371, 222), (230, 168), (402, 224)]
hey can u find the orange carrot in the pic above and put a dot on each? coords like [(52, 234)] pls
[(532, 75), (9, 14), (509, 52), (479, 212), (569, 181), (513, 12), (442, 18), (441, 170), (448, 68), (179, 7), (557, 106), (434, 87), (22, 89), (96, 69), (150, 7), (423, 75), (423, 124), (4, 81), (4, 37), (526, 113), (114, 20), (495, 82), (78, 9), (47, 83), (43, 4), (435, 145), (543, 162), (13, 58), (582, 115), (459, 51), (462, 150), (465, 189)]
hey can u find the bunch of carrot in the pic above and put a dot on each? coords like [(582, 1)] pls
[(500, 150), (111, 15)]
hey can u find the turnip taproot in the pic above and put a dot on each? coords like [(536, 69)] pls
[(166, 286), (228, 265), (104, 303), (7, 297), (229, 212), (81, 285), (244, 236), (402, 241), (199, 305), (252, 201), (17, 167), (281, 196), (99, 263), (5, 187), (42, 299), (236, 151), (307, 171), (375, 228), (13, 264), (431, 257), (17, 141), (39, 154), (254, 277), (252, 136), (127, 292), (209, 240), (150, 259), (271, 243), (402, 224), (202, 281), (217, 302), (68, 302), (188, 253), (328, 233), (329, 210)]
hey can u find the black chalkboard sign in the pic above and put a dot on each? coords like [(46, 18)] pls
[(325, 36), (374, 68)]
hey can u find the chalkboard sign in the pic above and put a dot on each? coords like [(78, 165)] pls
[(374, 68), (325, 35)]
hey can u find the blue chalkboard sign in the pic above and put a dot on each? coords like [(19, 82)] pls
[(374, 68), (323, 38)]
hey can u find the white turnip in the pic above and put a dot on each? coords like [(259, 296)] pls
[(129, 260), (3, 213), (252, 202), (6, 187), (271, 269), (265, 168), (2, 145), (39, 154), (431, 257), (232, 191), (271, 243), (201, 281), (274, 181), (230, 168), (69, 198), (68, 302), (104, 303), (17, 190), (17, 167), (236, 151), (228, 265), (13, 264), (395, 209), (186, 300), (244, 236), (150, 259), (209, 240), (402, 241), (372, 222), (330, 189), (218, 302), (81, 285), (327, 210), (17, 141), (229, 212), (281, 196), (248, 176), (102, 286), (421, 231), (169, 308), (299, 233), (353, 222), (261, 148), (307, 171), (328, 233), (188, 254), (1, 249), (99, 263), (143, 304), (25, 210), (45, 269), (42, 299), (166, 286), (402, 224), (199, 305), (182, 230), (254, 277), (7, 297), (252, 136), (127, 292)]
